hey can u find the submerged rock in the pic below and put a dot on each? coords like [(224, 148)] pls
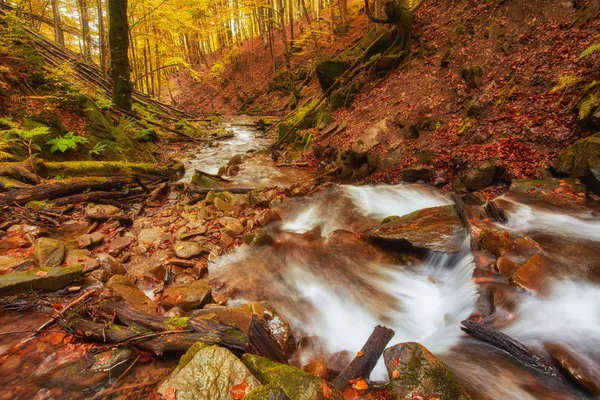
[(437, 229), (45, 278), (211, 374), (495, 241), (583, 373), (532, 276), (414, 370), (49, 252), (295, 383), (187, 295)]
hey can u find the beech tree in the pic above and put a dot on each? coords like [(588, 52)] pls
[(118, 37)]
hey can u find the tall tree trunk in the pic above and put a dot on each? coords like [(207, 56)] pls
[(101, 36), (85, 30), (118, 34), (59, 34)]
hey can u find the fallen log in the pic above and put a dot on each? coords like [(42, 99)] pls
[(125, 219), (495, 213), (88, 197), (66, 187), (19, 171), (213, 176), (366, 359), (110, 168), (514, 348), (262, 342)]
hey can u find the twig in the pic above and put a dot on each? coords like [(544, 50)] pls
[(105, 393), (157, 334)]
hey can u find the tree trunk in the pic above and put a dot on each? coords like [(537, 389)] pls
[(59, 34), (85, 30), (101, 36), (119, 42)]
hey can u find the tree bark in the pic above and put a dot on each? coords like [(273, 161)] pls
[(59, 35), (119, 43)]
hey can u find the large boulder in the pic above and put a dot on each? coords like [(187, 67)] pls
[(418, 172), (437, 229), (414, 370), (187, 295), (45, 278), (554, 191), (574, 160), (295, 383), (480, 177), (328, 71), (49, 252), (592, 175), (213, 373)]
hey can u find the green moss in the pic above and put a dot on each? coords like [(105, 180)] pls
[(389, 219), (177, 322), (147, 135), (190, 354), (42, 205)]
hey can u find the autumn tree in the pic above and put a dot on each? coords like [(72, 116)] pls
[(118, 36)]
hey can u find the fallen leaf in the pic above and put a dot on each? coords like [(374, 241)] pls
[(239, 391), (361, 384), (396, 374), (326, 389), (171, 394), (360, 354)]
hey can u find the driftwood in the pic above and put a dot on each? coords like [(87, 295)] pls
[(462, 212), (213, 176), (62, 188), (365, 361), (496, 213), (516, 349), (88, 197), (262, 342)]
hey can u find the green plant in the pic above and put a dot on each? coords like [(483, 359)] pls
[(12, 133), (591, 50), (65, 143), (104, 104), (98, 149)]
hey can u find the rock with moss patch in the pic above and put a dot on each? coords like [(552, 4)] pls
[(479, 177), (295, 383), (49, 252), (389, 219), (592, 175), (554, 191), (328, 71), (437, 229), (258, 238), (147, 135), (187, 295), (267, 392), (204, 181), (122, 287), (225, 206), (414, 370), (574, 160), (418, 172), (473, 75), (211, 374), (45, 278)]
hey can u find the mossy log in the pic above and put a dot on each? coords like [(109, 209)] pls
[(62, 188), (110, 168), (19, 171)]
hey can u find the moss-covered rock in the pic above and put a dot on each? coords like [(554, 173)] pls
[(204, 181), (258, 238), (328, 71), (418, 172), (479, 177), (389, 219), (267, 392), (122, 287), (574, 160), (295, 383), (46, 278), (147, 135), (592, 175), (436, 229), (414, 370), (49, 252), (559, 192)]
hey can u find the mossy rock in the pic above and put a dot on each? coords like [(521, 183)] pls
[(592, 175), (46, 278), (204, 181), (554, 191), (295, 383), (473, 75), (480, 177), (258, 238), (414, 370), (389, 219), (574, 160), (328, 71), (267, 392), (147, 135)]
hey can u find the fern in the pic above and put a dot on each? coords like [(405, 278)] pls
[(590, 50), (566, 82), (65, 143), (587, 105)]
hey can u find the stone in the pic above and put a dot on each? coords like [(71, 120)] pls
[(150, 236), (591, 176), (45, 278), (268, 216), (389, 219), (367, 141), (436, 229), (90, 240), (479, 178), (81, 257), (580, 371), (122, 287), (554, 191), (212, 374), (187, 296), (258, 238), (414, 370), (574, 160), (505, 266), (417, 173), (49, 252), (232, 226), (473, 75), (316, 368), (187, 250), (8, 263), (531, 276), (295, 383), (119, 244), (259, 199), (236, 160), (226, 239), (240, 317), (240, 200), (204, 181), (224, 206), (110, 265), (267, 392), (495, 241), (101, 209), (328, 71)]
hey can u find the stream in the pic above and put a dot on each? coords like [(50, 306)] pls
[(334, 287)]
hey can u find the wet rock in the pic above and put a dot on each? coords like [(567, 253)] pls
[(267, 392), (240, 317), (574, 160), (211, 374), (328, 71), (389, 219), (316, 368), (122, 287), (101, 209), (9, 263), (224, 206), (554, 191), (495, 241), (90, 240), (418, 173), (295, 383), (45, 278), (478, 178), (198, 231), (583, 373), (505, 266), (233, 170), (473, 75), (592, 175), (531, 276), (236, 160), (187, 250), (187, 296), (240, 200), (258, 238), (268, 216), (119, 244), (49, 252), (414, 370), (226, 239), (204, 181), (232, 226), (113, 361), (437, 229), (151, 265), (259, 199), (81, 257), (110, 265), (150, 236)]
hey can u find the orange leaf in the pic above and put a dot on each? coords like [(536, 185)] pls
[(171, 394), (361, 385), (239, 391), (326, 389), (360, 354), (396, 374)]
